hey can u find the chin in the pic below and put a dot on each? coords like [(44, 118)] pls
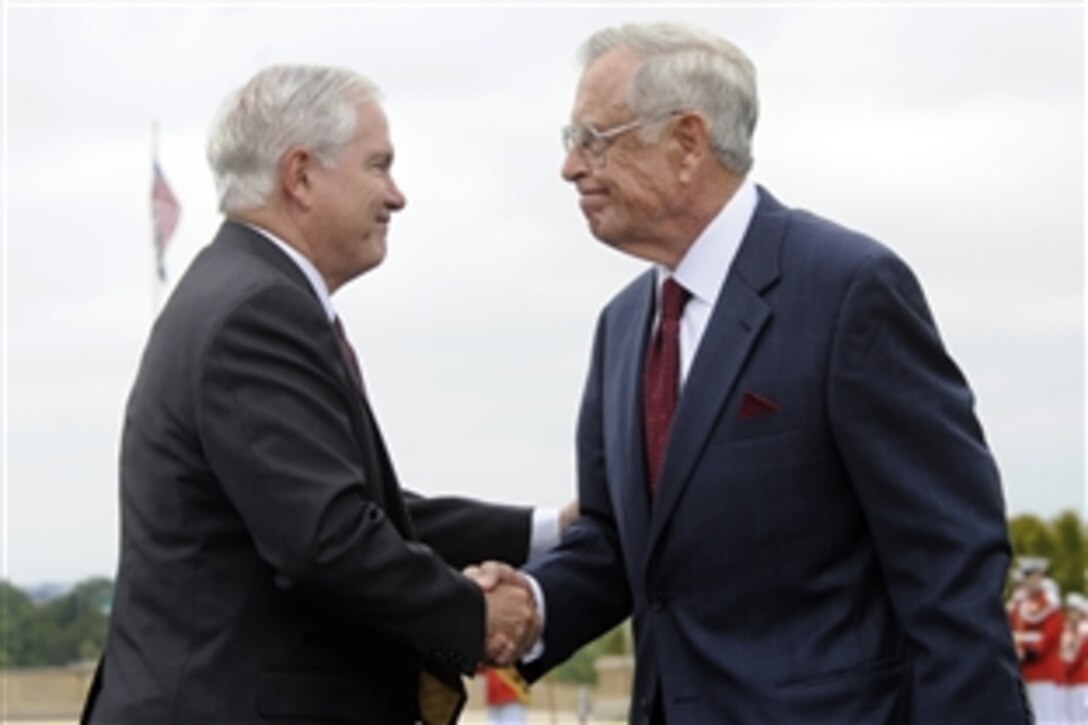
[(603, 233), (368, 263), (375, 254), (611, 238), (373, 263), (596, 227)]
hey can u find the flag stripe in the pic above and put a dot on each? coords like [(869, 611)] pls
[(165, 209)]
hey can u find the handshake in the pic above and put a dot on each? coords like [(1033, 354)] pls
[(513, 623)]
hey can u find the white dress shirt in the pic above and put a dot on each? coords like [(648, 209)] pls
[(703, 269)]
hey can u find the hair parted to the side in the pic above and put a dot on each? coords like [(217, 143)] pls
[(280, 108), (684, 69)]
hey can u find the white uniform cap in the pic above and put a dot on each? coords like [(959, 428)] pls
[(1032, 564), (1077, 601)]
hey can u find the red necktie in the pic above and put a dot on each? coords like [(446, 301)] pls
[(661, 378), (352, 361), (348, 353)]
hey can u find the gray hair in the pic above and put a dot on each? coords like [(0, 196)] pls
[(686, 69), (280, 108)]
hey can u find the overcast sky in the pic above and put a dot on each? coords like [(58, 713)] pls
[(955, 136)]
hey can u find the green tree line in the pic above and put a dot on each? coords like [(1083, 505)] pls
[(1061, 540), (72, 627), (68, 629)]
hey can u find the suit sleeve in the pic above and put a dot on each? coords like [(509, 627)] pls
[(583, 579), (274, 419), (903, 418), (464, 531)]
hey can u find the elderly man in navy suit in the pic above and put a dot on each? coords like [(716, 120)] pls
[(781, 474)]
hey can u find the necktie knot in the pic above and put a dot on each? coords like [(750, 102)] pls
[(348, 352), (673, 299), (339, 327)]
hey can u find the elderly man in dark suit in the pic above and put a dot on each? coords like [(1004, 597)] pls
[(781, 473), (271, 569)]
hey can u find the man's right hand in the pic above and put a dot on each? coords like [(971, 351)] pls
[(513, 624)]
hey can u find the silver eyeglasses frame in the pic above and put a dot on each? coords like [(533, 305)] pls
[(593, 143)]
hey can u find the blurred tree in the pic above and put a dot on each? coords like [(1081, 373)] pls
[(1068, 569), (1032, 536), (580, 669), (15, 610), (1062, 541), (67, 629)]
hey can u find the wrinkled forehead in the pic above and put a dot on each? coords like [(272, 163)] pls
[(602, 95)]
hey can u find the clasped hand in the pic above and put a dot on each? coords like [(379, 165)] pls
[(513, 624)]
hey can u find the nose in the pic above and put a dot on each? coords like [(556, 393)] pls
[(574, 166), (394, 199)]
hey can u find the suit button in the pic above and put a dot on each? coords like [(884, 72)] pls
[(658, 602), (644, 705)]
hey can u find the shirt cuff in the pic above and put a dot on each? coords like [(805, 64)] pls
[(544, 533), (537, 649)]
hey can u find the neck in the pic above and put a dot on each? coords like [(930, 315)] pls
[(276, 223), (284, 227), (715, 192)]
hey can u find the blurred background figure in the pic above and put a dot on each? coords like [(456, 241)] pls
[(507, 696), (1075, 655), (1037, 622)]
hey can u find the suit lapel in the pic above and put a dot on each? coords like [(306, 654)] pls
[(735, 324), (377, 467), (626, 344)]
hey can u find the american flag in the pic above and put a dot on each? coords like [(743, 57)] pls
[(165, 211)]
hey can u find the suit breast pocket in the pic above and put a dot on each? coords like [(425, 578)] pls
[(762, 404)]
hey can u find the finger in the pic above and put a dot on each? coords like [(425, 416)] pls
[(517, 590), (492, 569), (484, 578), (500, 649)]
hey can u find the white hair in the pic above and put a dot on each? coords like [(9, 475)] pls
[(280, 108), (684, 69)]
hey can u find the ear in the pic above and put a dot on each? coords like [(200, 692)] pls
[(692, 137), (296, 178)]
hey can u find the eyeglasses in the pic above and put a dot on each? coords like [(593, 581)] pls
[(593, 144)]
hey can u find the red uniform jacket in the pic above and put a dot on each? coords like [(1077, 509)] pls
[(1076, 669), (1037, 624)]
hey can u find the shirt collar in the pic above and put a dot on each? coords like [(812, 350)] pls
[(703, 268), (317, 282)]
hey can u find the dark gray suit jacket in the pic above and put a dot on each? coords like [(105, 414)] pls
[(268, 568), (828, 539)]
